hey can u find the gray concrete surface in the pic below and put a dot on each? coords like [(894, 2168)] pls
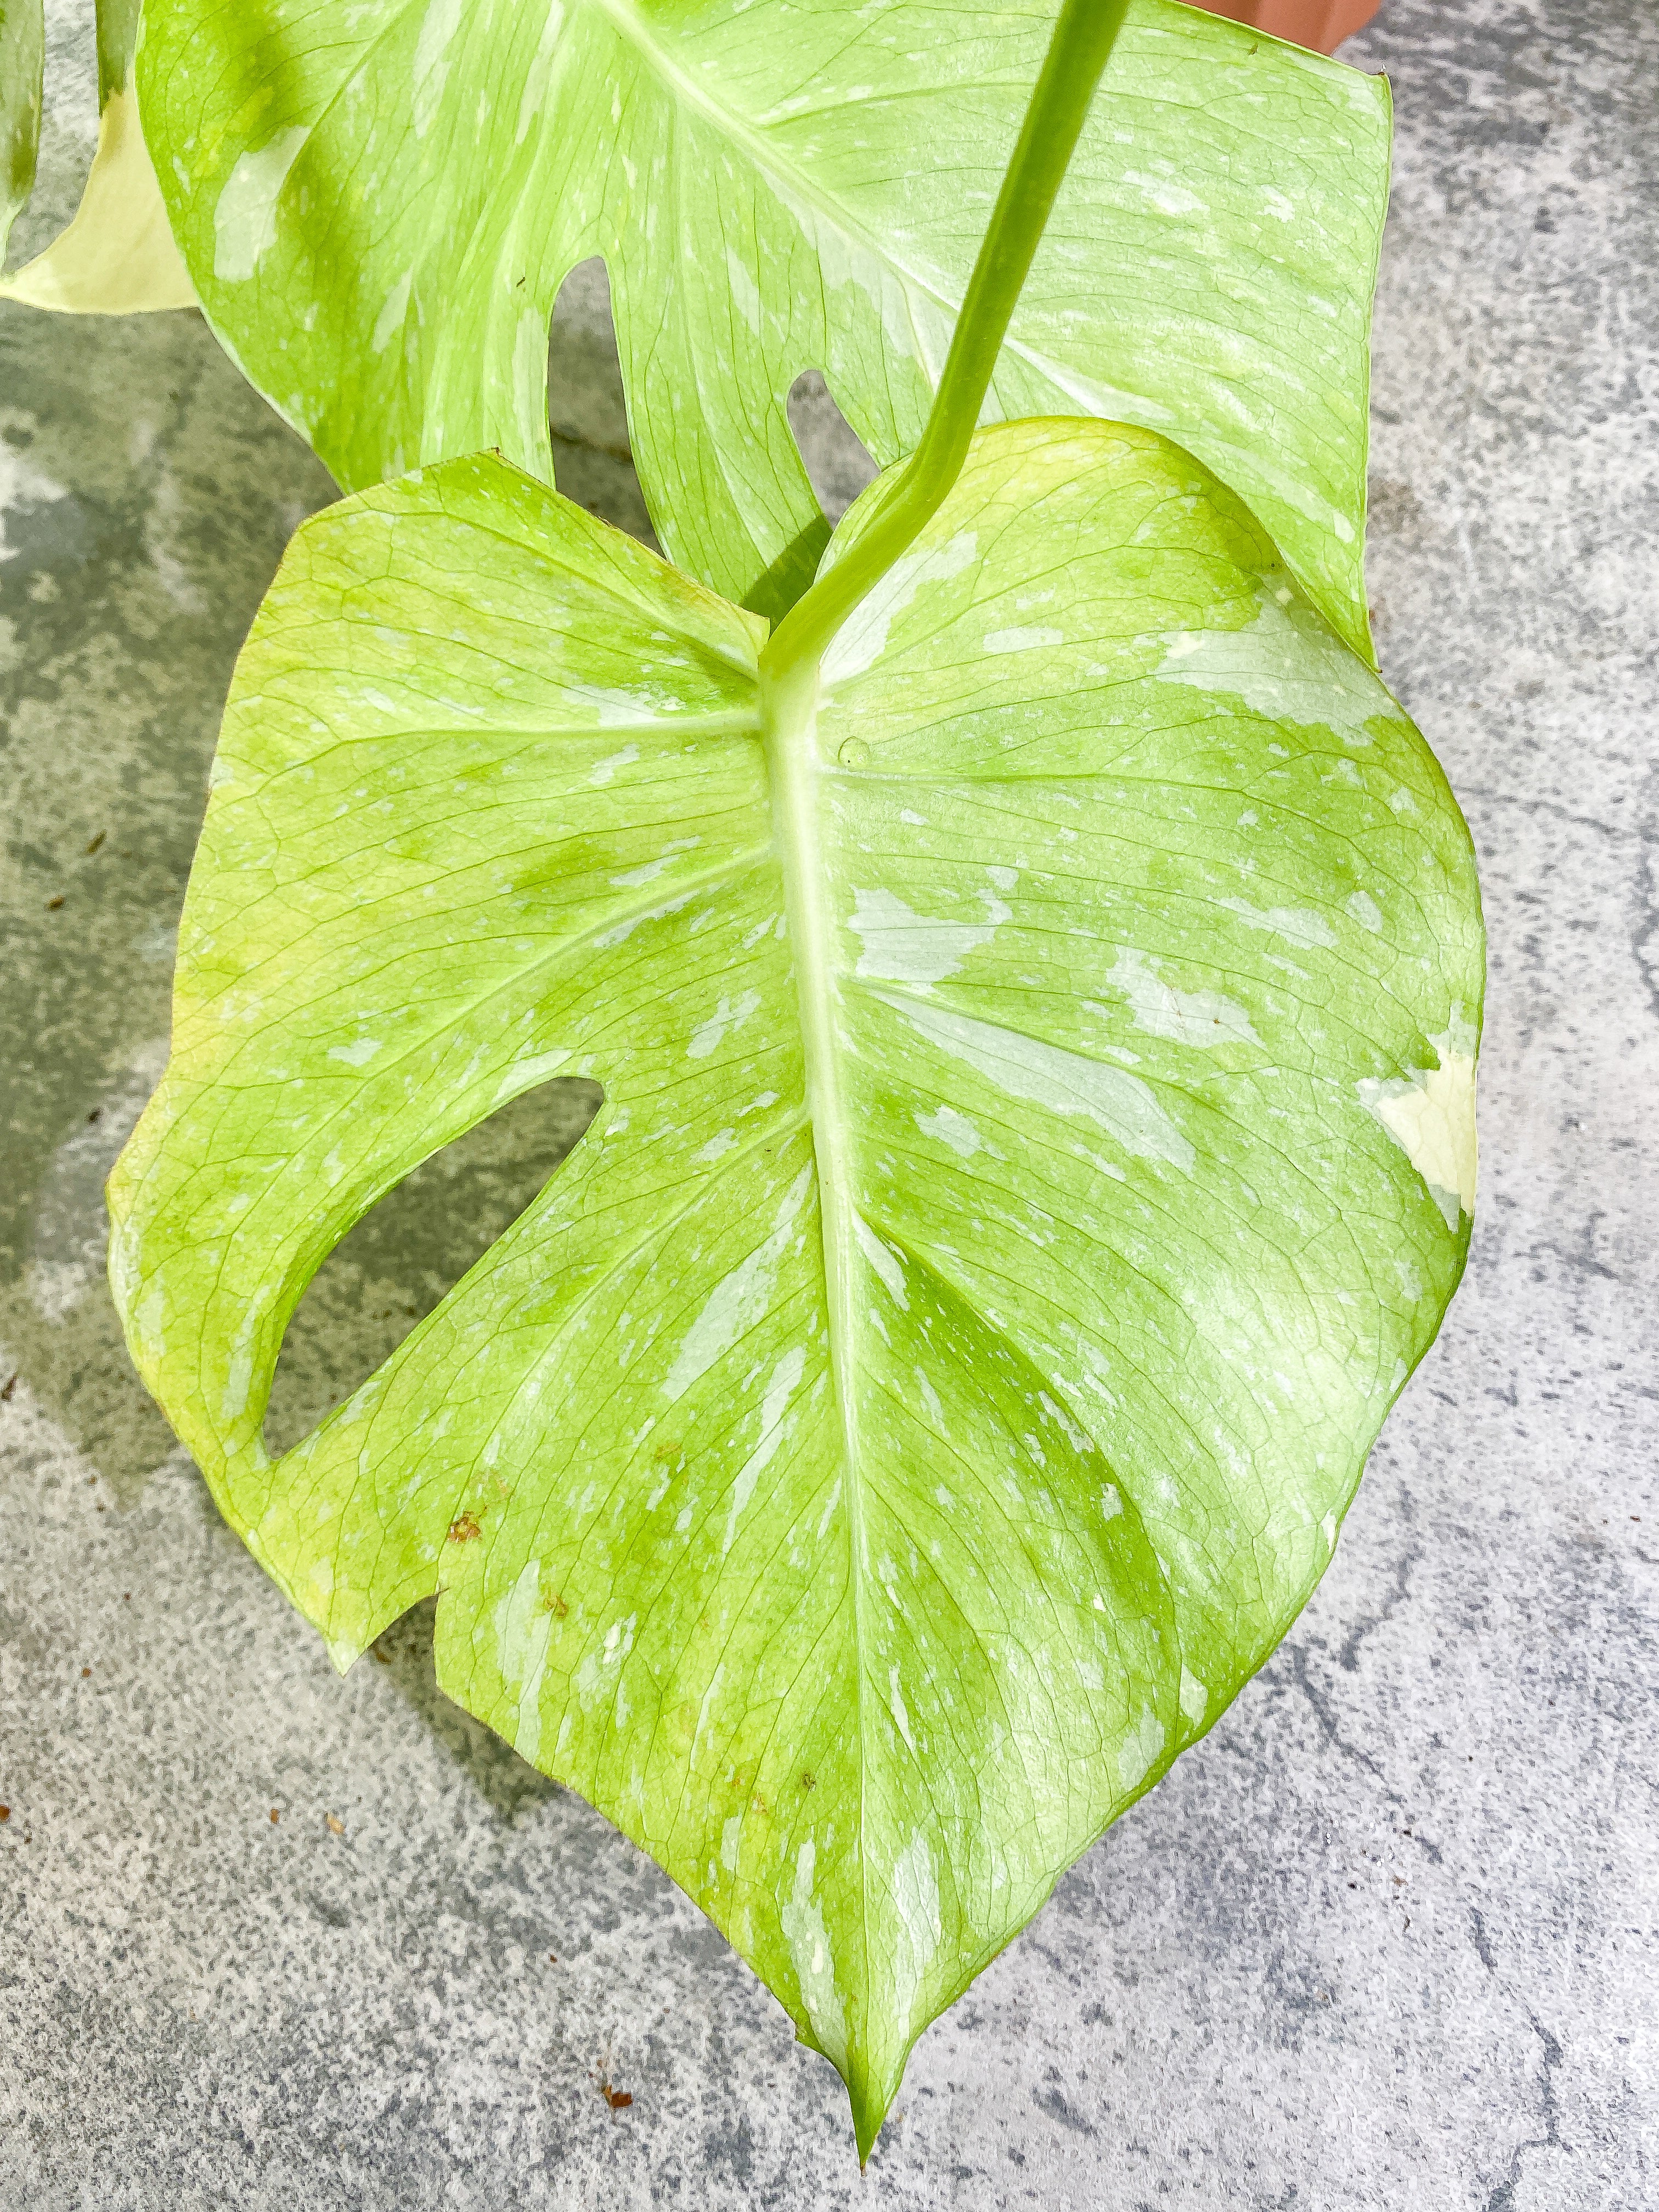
[(270, 1940)]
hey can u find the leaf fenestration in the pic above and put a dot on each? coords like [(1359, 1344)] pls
[(1033, 1086)]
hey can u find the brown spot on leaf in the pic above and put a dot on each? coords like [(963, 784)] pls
[(809, 1781), (7, 1388), (5, 1812), (464, 1527), (52, 904), (336, 1824), (618, 2100), (93, 843)]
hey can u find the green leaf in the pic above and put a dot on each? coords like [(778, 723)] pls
[(23, 58), (1037, 1144), (116, 256), (378, 205)]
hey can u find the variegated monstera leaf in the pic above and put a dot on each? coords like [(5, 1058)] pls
[(1037, 1145), (378, 206)]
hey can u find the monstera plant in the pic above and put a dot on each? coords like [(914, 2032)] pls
[(1031, 966)]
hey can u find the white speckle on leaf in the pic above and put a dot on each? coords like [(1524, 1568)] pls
[(1193, 1017), (1194, 1697), (522, 1628), (744, 297), (884, 1262), (1411, 1283), (1063, 1421), (536, 76), (611, 703), (604, 770), (390, 320), (244, 213), (915, 1901), (736, 1301), (358, 1054), (1024, 1067), (238, 1369), (900, 946), (930, 1398), (728, 1015), (1140, 1751), (1363, 909), (831, 1503), (591, 1683), (633, 879), (525, 1074), (899, 1710), (802, 1920), (1168, 197), (1022, 640), (431, 70), (1285, 666), (951, 1129), (1296, 925), (860, 639), (786, 1379)]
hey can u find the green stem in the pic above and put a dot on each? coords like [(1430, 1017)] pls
[(1083, 36)]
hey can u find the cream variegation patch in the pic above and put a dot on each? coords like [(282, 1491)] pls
[(1430, 1116)]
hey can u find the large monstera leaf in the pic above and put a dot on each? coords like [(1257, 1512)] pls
[(378, 206), (117, 256), (1037, 1144)]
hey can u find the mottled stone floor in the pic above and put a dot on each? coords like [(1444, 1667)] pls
[(1388, 1937)]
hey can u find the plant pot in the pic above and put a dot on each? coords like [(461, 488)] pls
[(1320, 24)]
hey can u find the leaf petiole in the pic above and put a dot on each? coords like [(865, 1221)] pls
[(1082, 39)]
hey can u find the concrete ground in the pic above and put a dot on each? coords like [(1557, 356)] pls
[(272, 1940)]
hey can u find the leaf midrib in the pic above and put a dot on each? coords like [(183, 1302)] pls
[(797, 815)]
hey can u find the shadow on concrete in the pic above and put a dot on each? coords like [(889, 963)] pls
[(507, 1782)]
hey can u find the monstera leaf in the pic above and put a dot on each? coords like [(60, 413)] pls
[(378, 206), (117, 256), (1037, 1143), (22, 57)]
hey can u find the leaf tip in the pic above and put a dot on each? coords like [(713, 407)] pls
[(871, 2096)]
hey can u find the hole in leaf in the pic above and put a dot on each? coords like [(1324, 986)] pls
[(832, 452), (492, 1768), (586, 412), (410, 1249)]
